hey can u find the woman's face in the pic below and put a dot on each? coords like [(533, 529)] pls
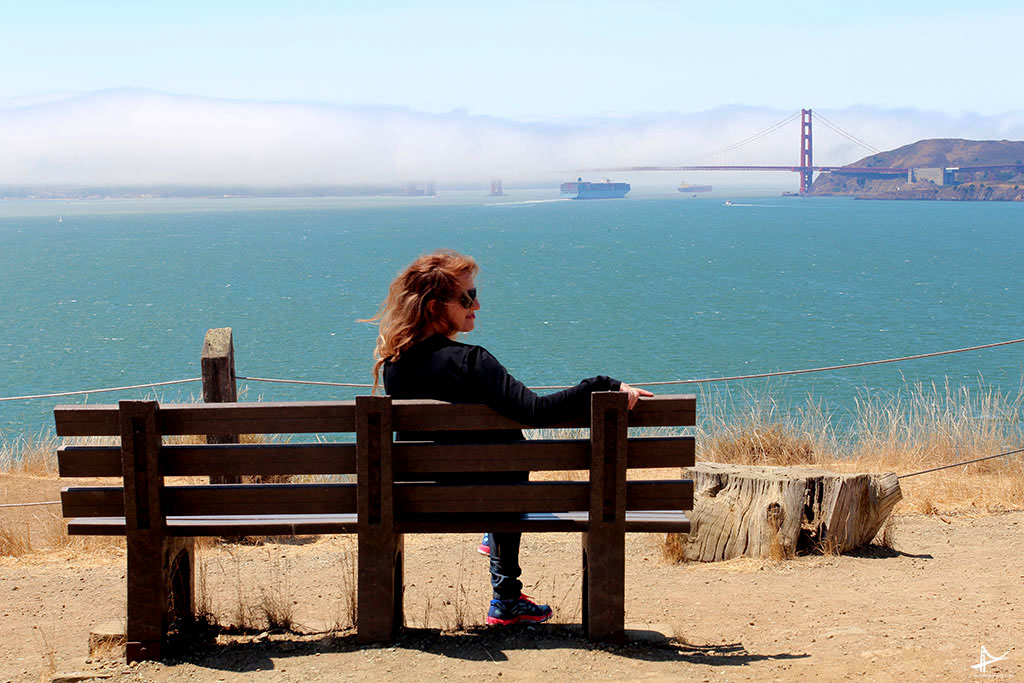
[(463, 319)]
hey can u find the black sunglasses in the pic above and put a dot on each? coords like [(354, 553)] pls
[(468, 298)]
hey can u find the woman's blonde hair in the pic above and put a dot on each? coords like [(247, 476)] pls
[(414, 307)]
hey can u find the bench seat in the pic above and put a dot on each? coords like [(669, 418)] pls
[(658, 521)]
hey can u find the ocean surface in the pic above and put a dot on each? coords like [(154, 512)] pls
[(97, 294)]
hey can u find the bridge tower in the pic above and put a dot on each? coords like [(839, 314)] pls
[(806, 165)]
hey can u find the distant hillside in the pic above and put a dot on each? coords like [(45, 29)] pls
[(946, 153)]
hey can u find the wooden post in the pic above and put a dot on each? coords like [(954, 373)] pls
[(604, 544), (160, 569), (219, 385), (381, 558)]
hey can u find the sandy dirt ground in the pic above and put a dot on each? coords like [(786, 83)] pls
[(921, 611)]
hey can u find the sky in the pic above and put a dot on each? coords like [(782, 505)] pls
[(336, 92)]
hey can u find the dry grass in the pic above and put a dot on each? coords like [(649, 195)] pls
[(34, 455), (14, 541), (349, 606), (887, 537), (919, 427), (277, 604)]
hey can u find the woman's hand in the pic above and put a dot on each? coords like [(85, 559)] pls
[(634, 393)]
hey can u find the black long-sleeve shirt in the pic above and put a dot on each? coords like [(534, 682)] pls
[(447, 370)]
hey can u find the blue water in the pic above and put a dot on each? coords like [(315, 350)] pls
[(645, 288)]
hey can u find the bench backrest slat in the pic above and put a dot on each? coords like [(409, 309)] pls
[(339, 458), (537, 455), (338, 416), (420, 499), (217, 459), (260, 499), (221, 499), (92, 501), (410, 498)]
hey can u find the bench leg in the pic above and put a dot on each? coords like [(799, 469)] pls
[(604, 582), (380, 612), (160, 586)]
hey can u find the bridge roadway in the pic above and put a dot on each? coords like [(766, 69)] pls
[(815, 169), (797, 169)]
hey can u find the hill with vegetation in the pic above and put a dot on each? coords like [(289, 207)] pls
[(1005, 184)]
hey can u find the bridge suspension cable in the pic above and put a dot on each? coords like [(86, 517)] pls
[(852, 138), (752, 138)]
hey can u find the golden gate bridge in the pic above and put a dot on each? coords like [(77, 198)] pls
[(774, 143), (761, 152)]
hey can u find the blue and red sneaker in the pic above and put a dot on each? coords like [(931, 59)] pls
[(507, 612), (485, 546)]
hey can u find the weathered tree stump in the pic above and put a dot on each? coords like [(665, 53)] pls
[(774, 511)]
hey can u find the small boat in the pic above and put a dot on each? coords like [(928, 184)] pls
[(60, 219), (728, 202)]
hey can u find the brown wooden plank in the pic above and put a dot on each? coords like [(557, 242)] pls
[(429, 415), (258, 418), (670, 522), (339, 458), (339, 416), (262, 459), (149, 583), (259, 499), (604, 542), (226, 525), (416, 499), (653, 452), (86, 420), (426, 415), (92, 501), (96, 526), (659, 495), (540, 522), (380, 550), (533, 454), (253, 525), (270, 499), (89, 461), (665, 410)]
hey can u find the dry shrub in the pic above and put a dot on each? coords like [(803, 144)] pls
[(428, 608), (673, 548), (887, 536), (276, 604), (48, 651), (761, 445), (830, 546), (346, 609), (13, 542)]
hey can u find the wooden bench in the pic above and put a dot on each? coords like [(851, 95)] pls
[(379, 503)]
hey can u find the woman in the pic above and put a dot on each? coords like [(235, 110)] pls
[(427, 306)]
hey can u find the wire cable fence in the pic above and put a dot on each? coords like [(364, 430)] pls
[(762, 375), (729, 378)]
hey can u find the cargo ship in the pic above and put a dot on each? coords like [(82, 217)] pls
[(685, 187), (605, 190)]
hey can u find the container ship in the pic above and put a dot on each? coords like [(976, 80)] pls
[(685, 187), (605, 190)]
